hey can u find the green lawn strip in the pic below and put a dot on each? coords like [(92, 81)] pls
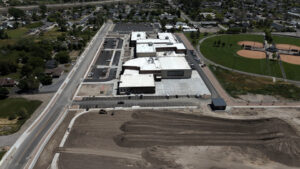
[(238, 84), (228, 57), (286, 40), (2, 154), (11, 107), (188, 35)]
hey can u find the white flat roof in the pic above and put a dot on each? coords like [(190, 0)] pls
[(138, 35), (169, 53), (159, 63), (130, 72), (173, 63), (154, 41), (167, 36), (140, 80), (145, 48)]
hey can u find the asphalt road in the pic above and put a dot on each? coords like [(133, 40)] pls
[(23, 153), (163, 102)]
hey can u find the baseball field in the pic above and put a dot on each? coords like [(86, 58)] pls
[(227, 50)]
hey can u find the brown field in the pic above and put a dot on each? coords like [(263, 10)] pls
[(152, 139), (290, 59), (251, 54), (251, 43), (287, 47)]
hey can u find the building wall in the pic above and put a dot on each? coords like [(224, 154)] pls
[(176, 74), (136, 90), (146, 54)]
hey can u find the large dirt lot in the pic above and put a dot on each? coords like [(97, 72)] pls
[(179, 139), (251, 54), (290, 59)]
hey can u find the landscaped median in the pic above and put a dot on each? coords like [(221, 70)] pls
[(226, 50), (14, 112)]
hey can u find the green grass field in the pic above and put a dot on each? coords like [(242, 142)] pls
[(286, 40), (227, 55), (12, 106), (238, 84)]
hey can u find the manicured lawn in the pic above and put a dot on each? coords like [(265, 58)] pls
[(238, 84), (12, 107), (227, 55), (286, 40)]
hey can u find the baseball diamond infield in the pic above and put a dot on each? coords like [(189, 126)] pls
[(290, 59), (251, 43), (287, 47), (251, 54), (231, 54)]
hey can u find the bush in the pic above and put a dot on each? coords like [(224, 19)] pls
[(3, 93), (23, 113)]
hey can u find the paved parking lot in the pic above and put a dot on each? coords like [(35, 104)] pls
[(110, 43), (116, 58), (120, 44), (104, 58), (111, 76)]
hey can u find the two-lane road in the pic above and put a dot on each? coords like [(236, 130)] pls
[(24, 150)]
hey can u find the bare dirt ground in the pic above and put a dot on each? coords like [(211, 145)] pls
[(251, 54), (290, 59), (287, 47), (95, 90), (180, 139), (251, 43)]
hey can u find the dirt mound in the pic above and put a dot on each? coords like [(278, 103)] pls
[(251, 43), (251, 54), (290, 59), (287, 47), (273, 137)]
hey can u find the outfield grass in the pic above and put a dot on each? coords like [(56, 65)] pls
[(239, 84), (227, 55), (286, 40), (12, 106)]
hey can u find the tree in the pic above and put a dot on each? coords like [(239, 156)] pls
[(45, 79), (3, 34), (43, 9), (62, 57), (3, 93), (29, 84), (16, 13)]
